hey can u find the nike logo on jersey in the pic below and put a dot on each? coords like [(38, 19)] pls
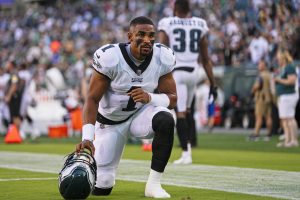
[(97, 56), (137, 80)]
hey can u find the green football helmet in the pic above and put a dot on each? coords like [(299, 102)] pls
[(78, 176)]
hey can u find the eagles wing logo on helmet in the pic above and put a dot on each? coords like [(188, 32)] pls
[(78, 176)]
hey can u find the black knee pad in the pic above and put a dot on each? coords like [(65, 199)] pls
[(163, 122), (163, 125), (102, 191)]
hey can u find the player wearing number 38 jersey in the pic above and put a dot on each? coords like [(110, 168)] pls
[(186, 36), (121, 102)]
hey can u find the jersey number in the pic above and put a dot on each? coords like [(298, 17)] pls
[(107, 47), (181, 37), (131, 104)]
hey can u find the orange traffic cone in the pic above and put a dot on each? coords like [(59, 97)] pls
[(147, 147), (13, 135)]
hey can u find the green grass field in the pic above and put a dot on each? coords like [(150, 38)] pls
[(230, 150)]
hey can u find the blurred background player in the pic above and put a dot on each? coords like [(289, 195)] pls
[(4, 111), (186, 36), (14, 93), (27, 100)]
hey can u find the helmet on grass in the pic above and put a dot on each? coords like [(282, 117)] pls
[(78, 176)]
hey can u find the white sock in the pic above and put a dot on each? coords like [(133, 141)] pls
[(154, 177), (189, 148), (186, 154), (153, 187)]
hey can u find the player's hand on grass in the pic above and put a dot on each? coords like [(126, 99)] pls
[(85, 144)]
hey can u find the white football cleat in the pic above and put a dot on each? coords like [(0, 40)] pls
[(185, 159), (154, 190)]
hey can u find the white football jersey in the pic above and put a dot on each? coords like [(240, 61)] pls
[(184, 35), (4, 78), (113, 61)]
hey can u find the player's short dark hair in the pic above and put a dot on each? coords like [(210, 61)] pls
[(182, 6), (141, 20)]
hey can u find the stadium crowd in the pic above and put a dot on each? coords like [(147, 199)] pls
[(64, 34)]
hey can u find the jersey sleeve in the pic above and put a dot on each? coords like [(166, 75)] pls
[(105, 60), (163, 25), (204, 28), (167, 59)]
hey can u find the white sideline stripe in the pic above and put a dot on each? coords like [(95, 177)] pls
[(262, 182), (26, 179)]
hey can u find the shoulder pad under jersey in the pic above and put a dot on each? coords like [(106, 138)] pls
[(107, 55), (163, 24), (167, 56), (203, 26)]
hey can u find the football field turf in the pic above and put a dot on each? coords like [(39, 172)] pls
[(225, 167)]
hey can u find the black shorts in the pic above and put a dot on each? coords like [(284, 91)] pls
[(15, 105)]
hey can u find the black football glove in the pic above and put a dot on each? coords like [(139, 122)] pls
[(213, 92)]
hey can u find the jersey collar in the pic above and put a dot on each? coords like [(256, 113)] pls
[(137, 69)]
